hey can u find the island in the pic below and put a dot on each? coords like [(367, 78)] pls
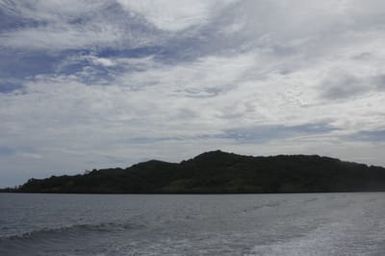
[(220, 172)]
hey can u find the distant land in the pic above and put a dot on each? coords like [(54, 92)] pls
[(220, 172)]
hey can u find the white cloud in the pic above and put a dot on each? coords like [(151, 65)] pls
[(175, 15), (254, 63), (102, 61)]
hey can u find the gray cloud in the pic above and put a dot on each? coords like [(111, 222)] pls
[(371, 136), (6, 151), (379, 81), (341, 85), (106, 82), (266, 133), (78, 25)]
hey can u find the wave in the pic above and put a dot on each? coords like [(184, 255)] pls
[(263, 206), (71, 231)]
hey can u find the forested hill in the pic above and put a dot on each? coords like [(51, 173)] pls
[(221, 172)]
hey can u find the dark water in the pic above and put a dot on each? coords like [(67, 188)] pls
[(106, 225)]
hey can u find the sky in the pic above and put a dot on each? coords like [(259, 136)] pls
[(108, 83)]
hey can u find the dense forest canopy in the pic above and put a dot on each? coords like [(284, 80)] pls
[(221, 172)]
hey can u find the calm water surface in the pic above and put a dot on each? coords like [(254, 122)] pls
[(106, 225)]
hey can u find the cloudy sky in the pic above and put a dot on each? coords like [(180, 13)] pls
[(102, 83)]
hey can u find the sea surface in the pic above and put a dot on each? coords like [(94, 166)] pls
[(117, 225)]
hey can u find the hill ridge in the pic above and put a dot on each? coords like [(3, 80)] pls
[(222, 172)]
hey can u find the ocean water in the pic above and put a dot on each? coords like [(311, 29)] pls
[(117, 225)]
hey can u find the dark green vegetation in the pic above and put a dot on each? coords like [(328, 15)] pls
[(220, 172)]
